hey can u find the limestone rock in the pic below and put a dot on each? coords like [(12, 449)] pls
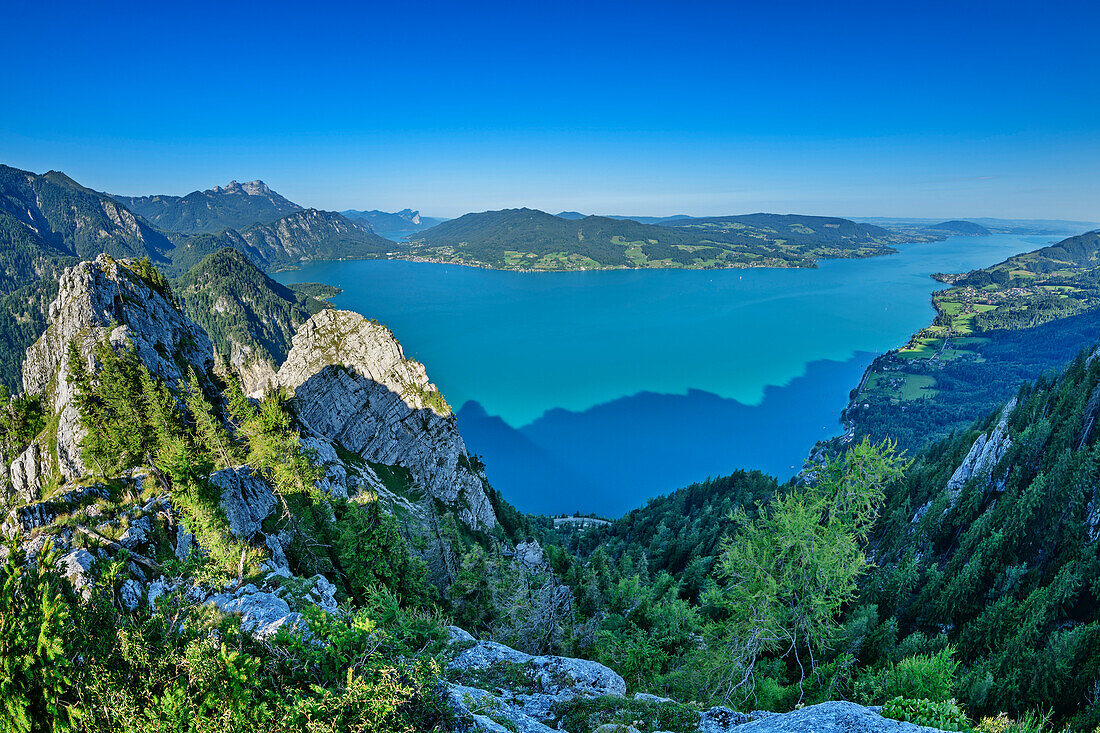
[(984, 455), (246, 499), (830, 717), (530, 554), (646, 697), (76, 566), (551, 674), (29, 472), (130, 594), (136, 534), (721, 720), (185, 542), (491, 713), (103, 299), (353, 385), (39, 514), (262, 613)]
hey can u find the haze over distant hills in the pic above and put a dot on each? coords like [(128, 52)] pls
[(384, 222), (997, 226)]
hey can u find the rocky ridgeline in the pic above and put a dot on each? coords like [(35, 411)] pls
[(497, 689), (399, 420), (353, 385), (354, 388), (100, 300)]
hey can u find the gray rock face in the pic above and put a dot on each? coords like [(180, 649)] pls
[(986, 452), (530, 554), (185, 542), (246, 499), (550, 680), (261, 613), (136, 534), (1092, 518), (29, 472), (487, 712), (258, 374), (552, 674), (97, 300), (76, 566), (721, 720), (353, 385), (130, 594), (39, 514), (493, 695), (830, 717)]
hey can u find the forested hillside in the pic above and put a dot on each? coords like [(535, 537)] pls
[(249, 317), (528, 239), (995, 328), (304, 235)]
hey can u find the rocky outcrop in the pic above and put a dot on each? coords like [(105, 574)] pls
[(495, 688), (41, 513), (530, 555), (830, 717), (1092, 518), (524, 689), (29, 473), (246, 499), (551, 676), (984, 455), (353, 385), (104, 300)]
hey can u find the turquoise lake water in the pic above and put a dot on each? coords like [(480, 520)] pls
[(597, 390)]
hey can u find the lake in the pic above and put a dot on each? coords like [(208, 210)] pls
[(594, 391)]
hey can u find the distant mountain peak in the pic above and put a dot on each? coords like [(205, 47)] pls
[(251, 188)]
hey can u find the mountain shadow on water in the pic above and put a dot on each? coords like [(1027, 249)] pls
[(611, 457)]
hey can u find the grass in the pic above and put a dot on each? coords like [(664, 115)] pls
[(396, 479), (924, 348), (918, 386)]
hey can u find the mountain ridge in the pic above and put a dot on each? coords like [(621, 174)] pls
[(530, 239), (233, 206)]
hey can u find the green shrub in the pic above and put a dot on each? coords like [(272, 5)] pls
[(34, 668), (1031, 722), (944, 715), (924, 676), (586, 714)]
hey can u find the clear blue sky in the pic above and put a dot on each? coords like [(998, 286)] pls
[(909, 108)]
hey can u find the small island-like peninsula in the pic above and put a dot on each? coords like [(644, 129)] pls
[(959, 227), (532, 240)]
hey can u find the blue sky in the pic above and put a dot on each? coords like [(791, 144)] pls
[(936, 109)]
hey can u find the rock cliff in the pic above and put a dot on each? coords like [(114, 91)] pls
[(104, 299), (353, 385), (986, 452)]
